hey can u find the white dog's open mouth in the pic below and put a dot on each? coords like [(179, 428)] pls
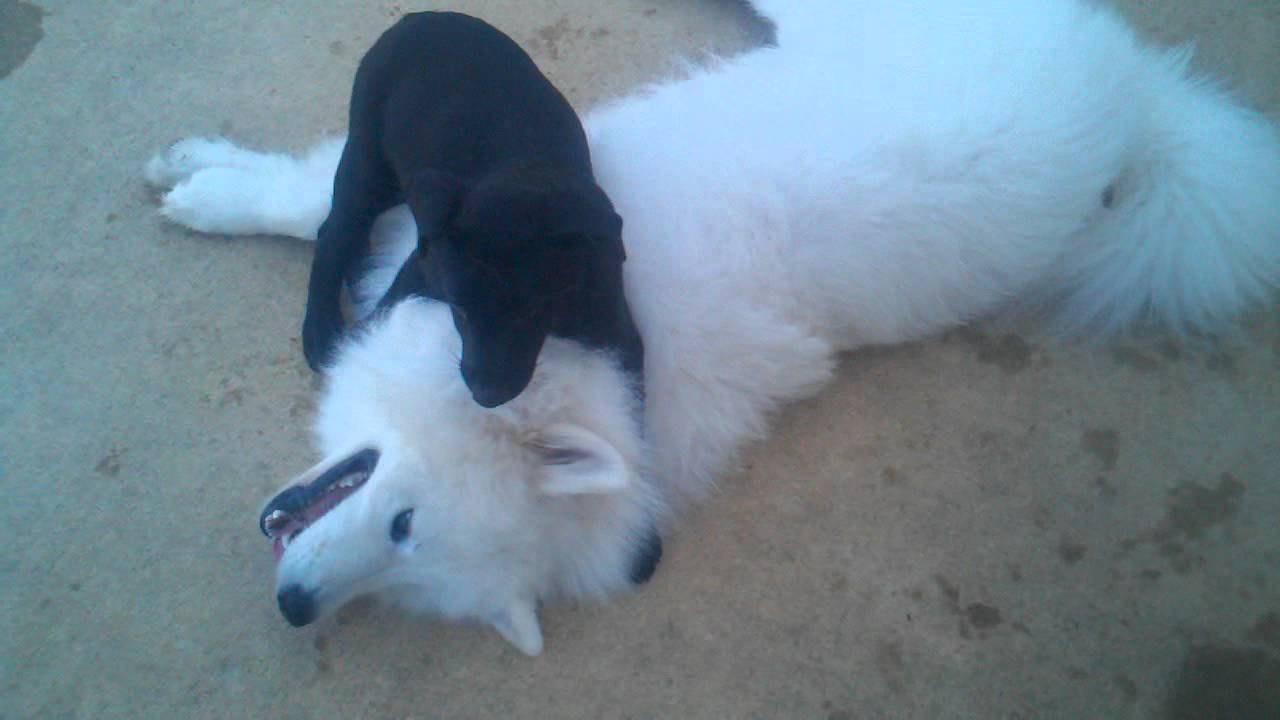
[(295, 509)]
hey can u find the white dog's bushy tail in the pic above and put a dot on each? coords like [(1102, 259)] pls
[(1191, 236)]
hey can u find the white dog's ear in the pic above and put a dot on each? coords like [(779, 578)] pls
[(576, 461), (518, 625)]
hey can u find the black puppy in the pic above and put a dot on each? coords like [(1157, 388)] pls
[(450, 116)]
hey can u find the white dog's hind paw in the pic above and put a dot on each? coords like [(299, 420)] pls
[(187, 157), (218, 200)]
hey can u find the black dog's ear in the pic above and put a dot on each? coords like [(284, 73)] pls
[(588, 220), (433, 196)]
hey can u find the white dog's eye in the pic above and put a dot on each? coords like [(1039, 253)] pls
[(400, 525)]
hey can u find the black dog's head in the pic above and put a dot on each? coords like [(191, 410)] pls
[(512, 255)]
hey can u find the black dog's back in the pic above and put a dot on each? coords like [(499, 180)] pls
[(478, 100)]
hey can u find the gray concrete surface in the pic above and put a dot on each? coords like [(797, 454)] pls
[(971, 527)]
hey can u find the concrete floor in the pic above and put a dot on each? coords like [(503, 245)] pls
[(976, 526)]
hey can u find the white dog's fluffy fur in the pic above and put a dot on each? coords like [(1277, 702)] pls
[(892, 168)]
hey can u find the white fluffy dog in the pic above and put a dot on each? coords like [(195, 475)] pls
[(892, 168)]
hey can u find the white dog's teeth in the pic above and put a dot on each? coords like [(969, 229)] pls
[(275, 521), (352, 480)]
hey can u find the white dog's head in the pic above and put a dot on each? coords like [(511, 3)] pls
[(450, 508)]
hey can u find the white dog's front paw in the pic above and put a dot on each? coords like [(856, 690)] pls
[(187, 157), (217, 200)]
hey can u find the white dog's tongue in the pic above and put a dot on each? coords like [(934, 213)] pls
[(277, 548), (281, 541)]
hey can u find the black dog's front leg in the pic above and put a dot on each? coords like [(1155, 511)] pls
[(323, 321), (363, 187)]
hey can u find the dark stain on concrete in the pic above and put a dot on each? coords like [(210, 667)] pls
[(979, 616), (891, 476), (1008, 352), (599, 33), (1071, 552), (982, 616), (890, 665), (1102, 444), (1041, 517), (924, 443), (1182, 560), (1192, 510), (321, 643), (949, 591), (1127, 687), (1015, 572), (952, 595), (1105, 487), (551, 36), (20, 32), (1267, 630), (337, 48), (1222, 364), (109, 465), (234, 396), (1135, 359), (1225, 682), (111, 217)]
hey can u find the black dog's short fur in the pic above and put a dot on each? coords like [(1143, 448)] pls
[(450, 116)]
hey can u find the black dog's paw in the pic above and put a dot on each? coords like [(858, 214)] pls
[(320, 332)]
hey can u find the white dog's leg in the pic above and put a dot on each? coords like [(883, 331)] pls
[(186, 157), (218, 187)]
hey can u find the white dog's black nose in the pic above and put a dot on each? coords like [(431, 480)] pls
[(297, 605)]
